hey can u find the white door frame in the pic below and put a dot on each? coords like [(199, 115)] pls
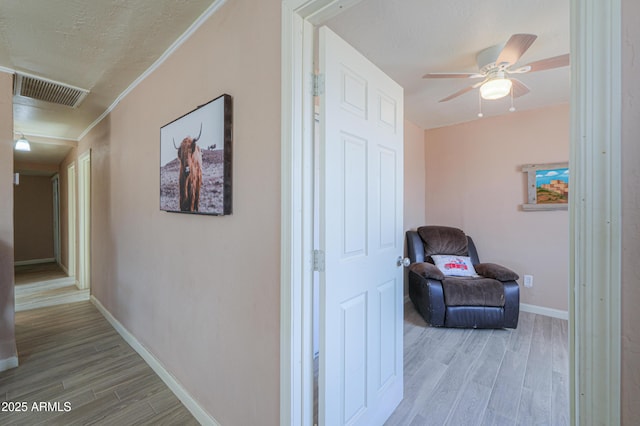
[(84, 221), (595, 281), (55, 183), (595, 227), (71, 219)]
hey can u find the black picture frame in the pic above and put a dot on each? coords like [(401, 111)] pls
[(196, 160)]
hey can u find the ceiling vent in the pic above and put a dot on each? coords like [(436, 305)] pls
[(30, 86)]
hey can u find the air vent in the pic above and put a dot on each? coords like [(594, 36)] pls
[(29, 86)]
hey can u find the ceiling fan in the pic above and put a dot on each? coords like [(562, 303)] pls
[(495, 67)]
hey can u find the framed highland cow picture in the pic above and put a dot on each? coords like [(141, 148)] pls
[(196, 160)]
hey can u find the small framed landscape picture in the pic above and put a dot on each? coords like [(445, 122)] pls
[(196, 160), (547, 186)]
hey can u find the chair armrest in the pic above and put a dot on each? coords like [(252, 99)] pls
[(497, 272), (428, 298), (427, 270)]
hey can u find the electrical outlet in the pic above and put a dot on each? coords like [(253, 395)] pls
[(528, 281)]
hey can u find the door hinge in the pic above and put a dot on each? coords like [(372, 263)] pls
[(318, 260), (318, 84)]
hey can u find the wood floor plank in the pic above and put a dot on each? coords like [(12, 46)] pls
[(520, 340), (70, 353), (478, 376), (445, 394), (560, 349), (470, 406), (418, 387), (446, 347), (26, 274), (560, 400), (489, 361), (535, 408), (539, 365), (507, 389)]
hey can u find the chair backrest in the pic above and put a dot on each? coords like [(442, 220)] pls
[(415, 248)]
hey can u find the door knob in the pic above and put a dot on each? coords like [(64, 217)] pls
[(403, 262)]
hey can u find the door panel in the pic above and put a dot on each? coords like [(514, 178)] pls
[(361, 233)]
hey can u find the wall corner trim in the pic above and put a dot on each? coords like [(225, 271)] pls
[(8, 363), (192, 405), (541, 310)]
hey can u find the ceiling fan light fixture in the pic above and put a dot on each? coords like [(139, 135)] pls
[(22, 144), (495, 89)]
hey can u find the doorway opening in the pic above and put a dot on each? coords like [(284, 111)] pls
[(45, 226), (586, 339)]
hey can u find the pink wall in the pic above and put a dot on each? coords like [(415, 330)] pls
[(414, 176), (33, 218), (414, 181), (630, 213), (474, 182), (7, 336), (202, 293)]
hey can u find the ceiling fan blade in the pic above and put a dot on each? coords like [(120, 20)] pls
[(549, 63), (519, 88), (458, 93), (453, 75), (515, 48), (463, 91)]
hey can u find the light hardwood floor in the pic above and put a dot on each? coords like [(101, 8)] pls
[(45, 284), (29, 274), (70, 353), (485, 377)]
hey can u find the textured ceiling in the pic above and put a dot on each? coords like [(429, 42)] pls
[(99, 45), (409, 38), (105, 45)]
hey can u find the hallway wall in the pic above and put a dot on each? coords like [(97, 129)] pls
[(202, 293)]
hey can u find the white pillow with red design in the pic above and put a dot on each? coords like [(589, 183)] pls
[(454, 266)]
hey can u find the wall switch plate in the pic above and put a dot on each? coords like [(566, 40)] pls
[(528, 281)]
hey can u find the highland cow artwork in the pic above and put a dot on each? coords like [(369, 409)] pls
[(195, 160)]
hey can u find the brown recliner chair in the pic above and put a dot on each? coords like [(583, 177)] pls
[(490, 300)]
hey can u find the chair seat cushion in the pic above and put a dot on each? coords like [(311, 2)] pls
[(462, 291)]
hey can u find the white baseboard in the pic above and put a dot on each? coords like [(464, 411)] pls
[(34, 261), (8, 363), (541, 310), (181, 393)]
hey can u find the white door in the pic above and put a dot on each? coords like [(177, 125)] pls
[(55, 182), (361, 178)]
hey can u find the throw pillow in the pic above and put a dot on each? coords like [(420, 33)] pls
[(455, 266)]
